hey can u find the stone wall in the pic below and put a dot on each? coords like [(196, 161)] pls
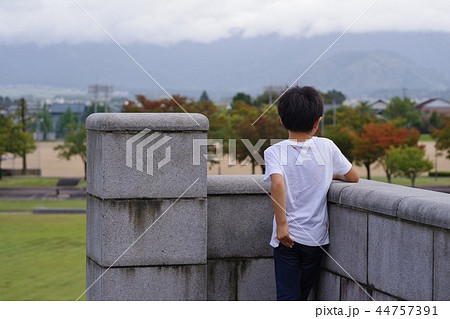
[(393, 240), (176, 234), (240, 263), (146, 233)]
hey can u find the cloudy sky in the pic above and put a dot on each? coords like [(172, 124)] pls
[(166, 22)]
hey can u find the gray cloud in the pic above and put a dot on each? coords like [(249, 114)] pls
[(171, 21)]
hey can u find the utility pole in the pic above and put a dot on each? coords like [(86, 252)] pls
[(96, 89)]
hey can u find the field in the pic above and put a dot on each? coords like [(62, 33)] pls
[(33, 181), (420, 181), (42, 256), (28, 205)]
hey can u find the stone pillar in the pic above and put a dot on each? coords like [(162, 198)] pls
[(146, 207)]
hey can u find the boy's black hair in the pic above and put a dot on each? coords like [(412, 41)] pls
[(299, 108)]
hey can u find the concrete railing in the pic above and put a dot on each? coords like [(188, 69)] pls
[(177, 234), (393, 240)]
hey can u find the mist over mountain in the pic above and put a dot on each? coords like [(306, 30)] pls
[(360, 65)]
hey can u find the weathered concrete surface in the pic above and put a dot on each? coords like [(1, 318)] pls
[(352, 291), (400, 258), (237, 184), (348, 237), (164, 232), (441, 276), (135, 122), (379, 198), (394, 239), (329, 287), (239, 226), (241, 279), (147, 283), (110, 178), (379, 296), (431, 210)]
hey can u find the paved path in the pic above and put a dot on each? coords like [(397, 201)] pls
[(42, 193)]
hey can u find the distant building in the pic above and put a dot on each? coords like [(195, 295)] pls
[(58, 109), (379, 105), (438, 105)]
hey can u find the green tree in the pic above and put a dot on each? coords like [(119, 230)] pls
[(6, 125), (66, 121), (343, 138), (333, 97), (204, 97), (23, 139), (408, 161), (266, 128), (74, 145), (247, 99), (372, 144), (269, 96), (436, 120), (442, 137), (44, 121), (95, 107), (351, 118), (402, 111)]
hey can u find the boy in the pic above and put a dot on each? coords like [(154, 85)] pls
[(300, 170)]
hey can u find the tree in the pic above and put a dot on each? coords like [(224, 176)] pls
[(402, 111), (372, 144), (351, 118), (442, 137), (269, 96), (343, 138), (408, 161), (6, 124), (44, 121), (436, 120), (333, 97), (247, 99), (66, 121), (204, 97), (131, 107), (266, 128), (95, 107), (23, 140), (74, 145)]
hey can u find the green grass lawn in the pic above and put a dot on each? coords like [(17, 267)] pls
[(27, 181), (420, 181), (33, 181), (28, 205), (425, 138), (42, 257)]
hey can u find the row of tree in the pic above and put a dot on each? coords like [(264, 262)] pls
[(15, 137), (363, 136), (16, 132)]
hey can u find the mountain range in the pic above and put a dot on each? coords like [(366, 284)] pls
[(369, 65)]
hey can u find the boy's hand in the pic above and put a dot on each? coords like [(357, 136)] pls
[(283, 235)]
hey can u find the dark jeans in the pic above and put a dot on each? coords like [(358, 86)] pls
[(296, 270)]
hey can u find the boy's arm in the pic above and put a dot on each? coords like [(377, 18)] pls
[(352, 176), (278, 192)]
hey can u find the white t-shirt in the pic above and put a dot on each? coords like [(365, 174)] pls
[(307, 169)]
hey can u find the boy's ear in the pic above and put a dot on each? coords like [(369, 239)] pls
[(281, 122), (316, 124)]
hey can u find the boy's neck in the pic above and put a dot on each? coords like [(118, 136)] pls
[(300, 136)]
